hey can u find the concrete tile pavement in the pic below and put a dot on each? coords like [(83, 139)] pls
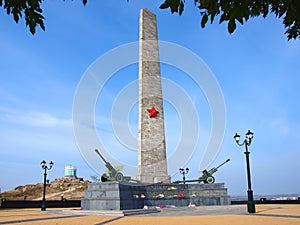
[(35, 216), (205, 215)]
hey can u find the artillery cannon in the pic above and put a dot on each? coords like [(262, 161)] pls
[(113, 174), (207, 176)]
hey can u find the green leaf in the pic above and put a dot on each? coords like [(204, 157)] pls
[(231, 26), (181, 7), (265, 10), (39, 10), (84, 2), (164, 5), (42, 25), (223, 18), (174, 5), (204, 20), (240, 20), (16, 17), (32, 27), (212, 17)]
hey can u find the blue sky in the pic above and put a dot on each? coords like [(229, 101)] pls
[(256, 68)]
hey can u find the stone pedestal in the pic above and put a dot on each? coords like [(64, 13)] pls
[(185, 194), (112, 196), (125, 195)]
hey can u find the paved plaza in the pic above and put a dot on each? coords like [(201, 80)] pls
[(206, 215)]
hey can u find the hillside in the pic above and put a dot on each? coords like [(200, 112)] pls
[(68, 187)]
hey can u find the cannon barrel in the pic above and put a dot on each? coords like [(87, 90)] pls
[(227, 160), (97, 151), (112, 171), (215, 169)]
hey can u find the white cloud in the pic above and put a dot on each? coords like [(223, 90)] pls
[(34, 119), (36, 133)]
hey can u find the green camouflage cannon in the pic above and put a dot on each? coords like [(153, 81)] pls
[(113, 174), (207, 176)]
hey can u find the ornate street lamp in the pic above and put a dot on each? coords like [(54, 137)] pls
[(247, 142), (184, 172), (45, 168)]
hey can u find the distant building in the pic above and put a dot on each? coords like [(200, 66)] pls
[(70, 171)]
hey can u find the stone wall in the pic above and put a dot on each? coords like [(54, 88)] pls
[(125, 195)]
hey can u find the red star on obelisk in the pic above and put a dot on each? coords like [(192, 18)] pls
[(152, 112)]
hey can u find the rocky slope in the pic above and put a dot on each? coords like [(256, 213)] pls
[(69, 188)]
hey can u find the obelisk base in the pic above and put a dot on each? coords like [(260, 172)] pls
[(153, 173), (156, 179)]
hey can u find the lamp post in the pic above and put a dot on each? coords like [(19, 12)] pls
[(247, 142), (184, 172), (45, 168)]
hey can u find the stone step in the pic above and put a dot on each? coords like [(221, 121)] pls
[(114, 213)]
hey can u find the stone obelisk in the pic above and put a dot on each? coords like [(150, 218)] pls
[(152, 163)]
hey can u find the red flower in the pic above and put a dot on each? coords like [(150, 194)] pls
[(181, 195)]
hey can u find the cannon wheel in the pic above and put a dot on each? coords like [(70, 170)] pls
[(210, 180), (104, 178), (119, 177)]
